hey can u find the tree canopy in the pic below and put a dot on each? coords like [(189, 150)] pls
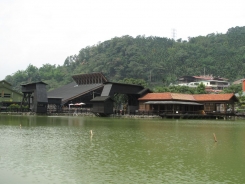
[(157, 61)]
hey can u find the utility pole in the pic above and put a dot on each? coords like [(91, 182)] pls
[(150, 76), (174, 33)]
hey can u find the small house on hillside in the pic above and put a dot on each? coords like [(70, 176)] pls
[(188, 79), (212, 84)]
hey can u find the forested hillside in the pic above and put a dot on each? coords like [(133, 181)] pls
[(158, 61)]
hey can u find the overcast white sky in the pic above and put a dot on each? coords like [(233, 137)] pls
[(38, 32)]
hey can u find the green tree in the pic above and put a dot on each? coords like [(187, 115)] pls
[(134, 81), (200, 89), (33, 73), (142, 57), (235, 88)]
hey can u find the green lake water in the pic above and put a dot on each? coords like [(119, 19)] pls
[(61, 150)]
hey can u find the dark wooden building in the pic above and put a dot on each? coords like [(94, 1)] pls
[(132, 91), (112, 89), (84, 88), (94, 90), (102, 105), (35, 96), (54, 104)]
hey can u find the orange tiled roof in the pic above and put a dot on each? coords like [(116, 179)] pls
[(187, 97), (213, 97), (156, 96), (167, 96), (179, 96)]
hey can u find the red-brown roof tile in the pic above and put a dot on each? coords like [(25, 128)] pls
[(188, 97), (157, 96), (213, 97), (167, 96), (179, 96)]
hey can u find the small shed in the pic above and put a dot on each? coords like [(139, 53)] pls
[(102, 105), (54, 104)]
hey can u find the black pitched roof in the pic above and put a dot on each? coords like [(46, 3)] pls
[(71, 90), (144, 91), (101, 99), (31, 83)]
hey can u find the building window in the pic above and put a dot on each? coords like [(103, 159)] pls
[(6, 95)]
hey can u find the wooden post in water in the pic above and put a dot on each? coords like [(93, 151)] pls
[(215, 139), (91, 133)]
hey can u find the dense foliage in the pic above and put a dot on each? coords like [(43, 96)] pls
[(156, 61)]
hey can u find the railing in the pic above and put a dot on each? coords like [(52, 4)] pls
[(171, 112), (156, 112), (14, 110), (73, 110), (50, 110)]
